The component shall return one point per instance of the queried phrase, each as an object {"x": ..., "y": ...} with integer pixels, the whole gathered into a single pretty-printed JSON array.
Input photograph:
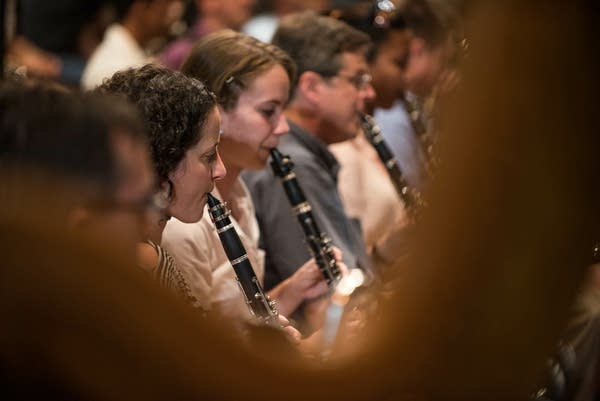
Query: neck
[
  {"x": 304, "y": 118},
  {"x": 314, "y": 125},
  {"x": 226, "y": 184}
]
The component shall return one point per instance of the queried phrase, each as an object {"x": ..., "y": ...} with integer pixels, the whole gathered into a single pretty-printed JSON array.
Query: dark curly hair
[{"x": 173, "y": 105}]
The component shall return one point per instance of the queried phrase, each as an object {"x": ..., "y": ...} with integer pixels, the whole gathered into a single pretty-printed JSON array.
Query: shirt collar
[{"x": 316, "y": 147}]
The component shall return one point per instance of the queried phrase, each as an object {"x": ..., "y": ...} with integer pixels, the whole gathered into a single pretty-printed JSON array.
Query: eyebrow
[
  {"x": 275, "y": 102},
  {"x": 360, "y": 70}
]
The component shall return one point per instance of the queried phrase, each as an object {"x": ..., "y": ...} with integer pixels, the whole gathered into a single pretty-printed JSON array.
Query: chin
[
  {"x": 353, "y": 130},
  {"x": 264, "y": 156},
  {"x": 259, "y": 163},
  {"x": 192, "y": 216}
]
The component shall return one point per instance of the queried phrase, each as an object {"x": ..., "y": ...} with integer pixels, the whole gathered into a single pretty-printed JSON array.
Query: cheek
[
  {"x": 189, "y": 188},
  {"x": 233, "y": 129},
  {"x": 264, "y": 131},
  {"x": 197, "y": 179}
]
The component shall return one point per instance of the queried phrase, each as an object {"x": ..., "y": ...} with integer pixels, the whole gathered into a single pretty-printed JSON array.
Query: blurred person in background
[
  {"x": 263, "y": 25},
  {"x": 55, "y": 39},
  {"x": 430, "y": 72},
  {"x": 364, "y": 184},
  {"x": 211, "y": 16},
  {"x": 124, "y": 44}
]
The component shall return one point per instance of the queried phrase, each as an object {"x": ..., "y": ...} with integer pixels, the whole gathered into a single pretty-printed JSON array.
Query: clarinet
[
  {"x": 319, "y": 244},
  {"x": 425, "y": 138},
  {"x": 259, "y": 303},
  {"x": 409, "y": 196}
]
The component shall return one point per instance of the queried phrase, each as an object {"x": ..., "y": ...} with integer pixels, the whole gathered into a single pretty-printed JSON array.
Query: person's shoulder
[{"x": 147, "y": 256}]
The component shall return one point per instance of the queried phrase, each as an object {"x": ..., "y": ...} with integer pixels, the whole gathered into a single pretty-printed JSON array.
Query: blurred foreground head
[
  {"x": 435, "y": 47},
  {"x": 91, "y": 148}
]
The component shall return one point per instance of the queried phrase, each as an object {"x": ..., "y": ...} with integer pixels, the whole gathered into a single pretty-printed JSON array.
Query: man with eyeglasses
[{"x": 330, "y": 91}]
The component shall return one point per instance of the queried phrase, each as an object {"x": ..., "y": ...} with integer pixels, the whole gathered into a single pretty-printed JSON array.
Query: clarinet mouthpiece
[
  {"x": 276, "y": 155},
  {"x": 280, "y": 164},
  {"x": 212, "y": 200}
]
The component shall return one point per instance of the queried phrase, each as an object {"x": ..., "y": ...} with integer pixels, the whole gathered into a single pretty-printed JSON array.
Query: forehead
[
  {"x": 271, "y": 84},
  {"x": 397, "y": 41},
  {"x": 353, "y": 62}
]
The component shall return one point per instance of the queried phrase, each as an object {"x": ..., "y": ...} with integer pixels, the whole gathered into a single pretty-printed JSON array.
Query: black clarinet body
[
  {"x": 409, "y": 196},
  {"x": 261, "y": 306},
  {"x": 319, "y": 244}
]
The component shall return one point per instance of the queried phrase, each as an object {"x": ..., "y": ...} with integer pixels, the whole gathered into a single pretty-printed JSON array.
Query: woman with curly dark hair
[{"x": 183, "y": 126}]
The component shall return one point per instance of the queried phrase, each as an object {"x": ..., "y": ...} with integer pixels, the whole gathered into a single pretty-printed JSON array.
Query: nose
[
  {"x": 368, "y": 93},
  {"x": 218, "y": 170},
  {"x": 281, "y": 127}
]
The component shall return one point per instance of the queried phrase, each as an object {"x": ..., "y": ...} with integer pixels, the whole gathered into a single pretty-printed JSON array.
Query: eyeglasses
[{"x": 360, "y": 81}]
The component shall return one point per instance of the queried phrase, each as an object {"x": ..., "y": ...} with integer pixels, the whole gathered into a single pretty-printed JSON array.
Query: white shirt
[
  {"x": 262, "y": 27},
  {"x": 367, "y": 190},
  {"x": 118, "y": 51}
]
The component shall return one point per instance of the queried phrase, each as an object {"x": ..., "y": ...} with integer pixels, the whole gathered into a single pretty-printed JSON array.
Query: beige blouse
[{"x": 199, "y": 253}]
